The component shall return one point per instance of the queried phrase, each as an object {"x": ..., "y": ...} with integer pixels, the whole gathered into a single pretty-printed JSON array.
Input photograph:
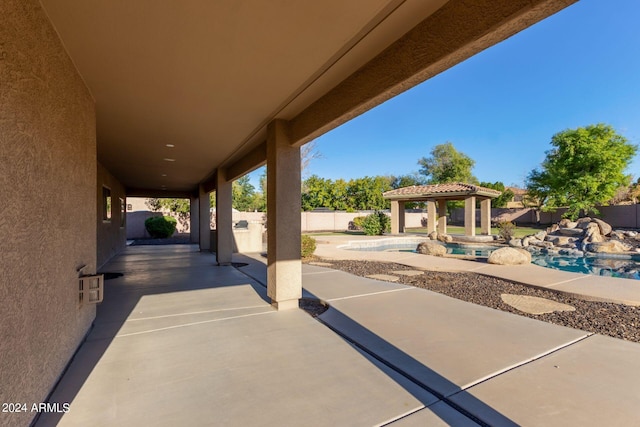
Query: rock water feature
[{"x": 588, "y": 245}]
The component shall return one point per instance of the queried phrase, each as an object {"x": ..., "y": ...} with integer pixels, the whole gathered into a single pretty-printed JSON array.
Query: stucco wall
[
  {"x": 47, "y": 205},
  {"x": 111, "y": 234}
]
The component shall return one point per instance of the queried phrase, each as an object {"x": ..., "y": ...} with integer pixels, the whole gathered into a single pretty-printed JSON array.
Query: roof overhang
[{"x": 185, "y": 88}]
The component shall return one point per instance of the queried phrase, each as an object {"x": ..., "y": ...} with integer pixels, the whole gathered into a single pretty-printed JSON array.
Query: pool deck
[
  {"x": 585, "y": 286},
  {"x": 181, "y": 341}
]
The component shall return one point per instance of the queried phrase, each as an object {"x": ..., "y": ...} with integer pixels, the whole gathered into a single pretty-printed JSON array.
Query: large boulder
[
  {"x": 618, "y": 235},
  {"x": 431, "y": 248},
  {"x": 605, "y": 228},
  {"x": 509, "y": 256},
  {"x": 540, "y": 235},
  {"x": 583, "y": 222},
  {"x": 592, "y": 234},
  {"x": 610, "y": 247},
  {"x": 562, "y": 240},
  {"x": 515, "y": 242},
  {"x": 567, "y": 223},
  {"x": 444, "y": 238},
  {"x": 571, "y": 232}
]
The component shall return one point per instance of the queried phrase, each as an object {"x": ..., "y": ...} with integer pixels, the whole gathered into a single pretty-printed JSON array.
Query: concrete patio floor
[{"x": 180, "y": 341}]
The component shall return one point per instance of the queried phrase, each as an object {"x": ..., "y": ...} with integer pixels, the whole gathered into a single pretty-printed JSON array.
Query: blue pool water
[{"x": 609, "y": 267}]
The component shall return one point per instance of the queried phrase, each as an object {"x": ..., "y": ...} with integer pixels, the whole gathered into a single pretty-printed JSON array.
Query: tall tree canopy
[
  {"x": 447, "y": 164},
  {"x": 356, "y": 194},
  {"x": 584, "y": 168},
  {"x": 244, "y": 195},
  {"x": 506, "y": 196}
]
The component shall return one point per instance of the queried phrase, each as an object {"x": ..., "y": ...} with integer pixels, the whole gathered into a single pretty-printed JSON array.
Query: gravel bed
[{"x": 616, "y": 320}]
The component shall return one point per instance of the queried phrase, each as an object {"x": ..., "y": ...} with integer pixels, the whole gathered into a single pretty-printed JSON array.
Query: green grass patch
[{"x": 454, "y": 229}]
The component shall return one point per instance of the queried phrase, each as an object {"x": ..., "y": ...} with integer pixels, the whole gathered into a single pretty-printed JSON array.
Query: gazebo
[{"x": 439, "y": 194}]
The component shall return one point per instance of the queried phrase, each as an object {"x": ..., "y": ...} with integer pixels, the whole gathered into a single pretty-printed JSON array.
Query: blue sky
[{"x": 502, "y": 106}]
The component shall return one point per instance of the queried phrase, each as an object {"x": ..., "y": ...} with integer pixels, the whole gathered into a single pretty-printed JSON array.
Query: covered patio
[
  {"x": 106, "y": 100},
  {"x": 438, "y": 195}
]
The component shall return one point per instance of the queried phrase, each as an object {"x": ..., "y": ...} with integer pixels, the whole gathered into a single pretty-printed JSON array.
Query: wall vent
[{"x": 91, "y": 289}]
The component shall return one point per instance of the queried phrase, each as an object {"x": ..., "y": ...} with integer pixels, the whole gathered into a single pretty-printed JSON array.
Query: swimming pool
[{"x": 609, "y": 266}]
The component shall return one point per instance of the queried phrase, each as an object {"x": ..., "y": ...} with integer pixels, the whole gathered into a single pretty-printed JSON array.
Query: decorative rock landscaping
[
  {"x": 616, "y": 320},
  {"x": 575, "y": 238}
]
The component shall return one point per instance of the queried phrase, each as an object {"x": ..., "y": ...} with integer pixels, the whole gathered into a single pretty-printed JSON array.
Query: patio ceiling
[{"x": 185, "y": 87}]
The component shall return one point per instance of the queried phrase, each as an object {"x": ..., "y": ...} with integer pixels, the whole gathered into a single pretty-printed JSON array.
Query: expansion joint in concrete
[{"x": 405, "y": 374}]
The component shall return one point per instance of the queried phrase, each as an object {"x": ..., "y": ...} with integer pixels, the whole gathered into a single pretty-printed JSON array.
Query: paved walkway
[{"x": 179, "y": 341}]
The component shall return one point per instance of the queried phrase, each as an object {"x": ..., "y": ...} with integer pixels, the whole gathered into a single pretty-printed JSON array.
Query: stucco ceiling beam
[
  {"x": 252, "y": 160},
  {"x": 209, "y": 184},
  {"x": 147, "y": 192},
  {"x": 454, "y": 33}
]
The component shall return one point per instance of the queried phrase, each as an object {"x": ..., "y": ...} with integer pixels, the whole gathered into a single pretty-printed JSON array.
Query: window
[
  {"x": 106, "y": 204},
  {"x": 123, "y": 212}
]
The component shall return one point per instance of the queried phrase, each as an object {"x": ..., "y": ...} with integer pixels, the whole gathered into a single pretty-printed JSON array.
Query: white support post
[
  {"x": 431, "y": 216},
  {"x": 470, "y": 216}
]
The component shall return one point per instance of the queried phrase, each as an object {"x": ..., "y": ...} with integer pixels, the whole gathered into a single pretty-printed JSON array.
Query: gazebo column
[
  {"x": 485, "y": 217},
  {"x": 442, "y": 216},
  {"x": 470, "y": 216},
  {"x": 397, "y": 217},
  {"x": 431, "y": 216}
]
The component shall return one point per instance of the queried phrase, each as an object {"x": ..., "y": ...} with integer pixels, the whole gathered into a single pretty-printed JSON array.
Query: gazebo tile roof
[{"x": 454, "y": 188}]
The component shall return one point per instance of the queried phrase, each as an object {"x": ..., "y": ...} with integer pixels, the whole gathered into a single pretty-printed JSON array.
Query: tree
[
  {"x": 308, "y": 152},
  {"x": 357, "y": 194},
  {"x": 154, "y": 204},
  {"x": 506, "y": 196},
  {"x": 584, "y": 169},
  {"x": 243, "y": 193},
  {"x": 366, "y": 193},
  {"x": 316, "y": 193},
  {"x": 447, "y": 164},
  {"x": 408, "y": 180},
  {"x": 339, "y": 195}
]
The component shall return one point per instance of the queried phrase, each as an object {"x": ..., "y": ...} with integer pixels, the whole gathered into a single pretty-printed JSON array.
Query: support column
[
  {"x": 485, "y": 217},
  {"x": 470, "y": 216},
  {"x": 442, "y": 216},
  {"x": 194, "y": 220},
  {"x": 204, "y": 219},
  {"x": 284, "y": 266},
  {"x": 431, "y": 216},
  {"x": 224, "y": 222},
  {"x": 397, "y": 217}
]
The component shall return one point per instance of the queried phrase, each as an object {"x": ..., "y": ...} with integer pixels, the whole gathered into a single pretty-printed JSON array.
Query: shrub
[
  {"x": 308, "y": 246},
  {"x": 160, "y": 227},
  {"x": 356, "y": 224},
  {"x": 506, "y": 230},
  {"x": 376, "y": 224}
]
